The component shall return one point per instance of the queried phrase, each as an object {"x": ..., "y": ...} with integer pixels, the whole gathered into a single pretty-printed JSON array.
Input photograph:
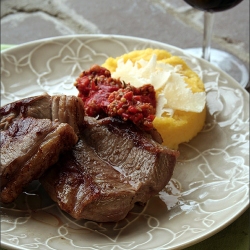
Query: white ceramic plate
[{"x": 210, "y": 185}]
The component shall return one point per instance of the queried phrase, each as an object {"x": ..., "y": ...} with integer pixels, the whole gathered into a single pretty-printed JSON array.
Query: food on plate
[
  {"x": 103, "y": 96},
  {"x": 181, "y": 98},
  {"x": 100, "y": 153},
  {"x": 114, "y": 165},
  {"x": 65, "y": 109},
  {"x": 28, "y": 147},
  {"x": 34, "y": 131},
  {"x": 95, "y": 169}
]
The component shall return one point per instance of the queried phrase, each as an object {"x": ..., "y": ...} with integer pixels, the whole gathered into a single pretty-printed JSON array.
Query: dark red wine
[{"x": 213, "y": 5}]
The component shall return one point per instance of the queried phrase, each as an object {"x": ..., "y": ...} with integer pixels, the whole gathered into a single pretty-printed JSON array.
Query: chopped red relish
[{"x": 105, "y": 96}]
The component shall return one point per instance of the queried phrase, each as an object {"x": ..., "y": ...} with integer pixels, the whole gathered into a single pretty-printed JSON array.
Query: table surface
[{"x": 168, "y": 21}]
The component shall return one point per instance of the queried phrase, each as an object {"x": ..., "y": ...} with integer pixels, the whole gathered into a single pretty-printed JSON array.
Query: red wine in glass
[
  {"x": 227, "y": 62},
  {"x": 213, "y": 5}
]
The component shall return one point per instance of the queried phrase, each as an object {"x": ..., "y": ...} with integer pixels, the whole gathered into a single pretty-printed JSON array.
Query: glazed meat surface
[
  {"x": 113, "y": 166},
  {"x": 28, "y": 147},
  {"x": 65, "y": 109}
]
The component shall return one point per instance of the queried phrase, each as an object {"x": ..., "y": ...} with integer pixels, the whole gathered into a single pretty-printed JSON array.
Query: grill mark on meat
[
  {"x": 129, "y": 141},
  {"x": 140, "y": 138},
  {"x": 37, "y": 107},
  {"x": 112, "y": 166},
  {"x": 65, "y": 109},
  {"x": 83, "y": 183},
  {"x": 108, "y": 171},
  {"x": 34, "y": 131},
  {"x": 28, "y": 148}
]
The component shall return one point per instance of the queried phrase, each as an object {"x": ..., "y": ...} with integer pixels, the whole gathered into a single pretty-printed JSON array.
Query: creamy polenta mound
[{"x": 182, "y": 125}]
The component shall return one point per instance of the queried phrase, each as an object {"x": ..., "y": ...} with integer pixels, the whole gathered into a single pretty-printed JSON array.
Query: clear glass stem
[{"x": 207, "y": 36}]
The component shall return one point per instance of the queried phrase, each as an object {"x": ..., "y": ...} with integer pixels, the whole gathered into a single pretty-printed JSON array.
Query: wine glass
[{"x": 223, "y": 60}]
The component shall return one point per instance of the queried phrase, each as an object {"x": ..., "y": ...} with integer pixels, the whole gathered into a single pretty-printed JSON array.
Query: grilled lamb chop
[
  {"x": 113, "y": 166},
  {"x": 28, "y": 147},
  {"x": 66, "y": 109}
]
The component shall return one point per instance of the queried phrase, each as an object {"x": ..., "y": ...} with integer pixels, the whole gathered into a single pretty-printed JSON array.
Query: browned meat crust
[
  {"x": 113, "y": 166},
  {"x": 28, "y": 147},
  {"x": 34, "y": 131},
  {"x": 65, "y": 109}
]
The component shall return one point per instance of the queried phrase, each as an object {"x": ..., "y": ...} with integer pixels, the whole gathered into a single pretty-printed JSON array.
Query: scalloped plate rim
[{"x": 142, "y": 40}]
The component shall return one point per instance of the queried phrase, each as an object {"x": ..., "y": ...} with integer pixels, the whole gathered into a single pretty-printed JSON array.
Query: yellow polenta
[{"x": 182, "y": 126}]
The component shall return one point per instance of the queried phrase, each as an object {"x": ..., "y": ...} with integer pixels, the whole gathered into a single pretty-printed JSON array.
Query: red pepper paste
[{"x": 105, "y": 96}]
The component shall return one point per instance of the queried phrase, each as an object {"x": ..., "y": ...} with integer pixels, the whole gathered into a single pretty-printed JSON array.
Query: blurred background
[{"x": 169, "y": 21}]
